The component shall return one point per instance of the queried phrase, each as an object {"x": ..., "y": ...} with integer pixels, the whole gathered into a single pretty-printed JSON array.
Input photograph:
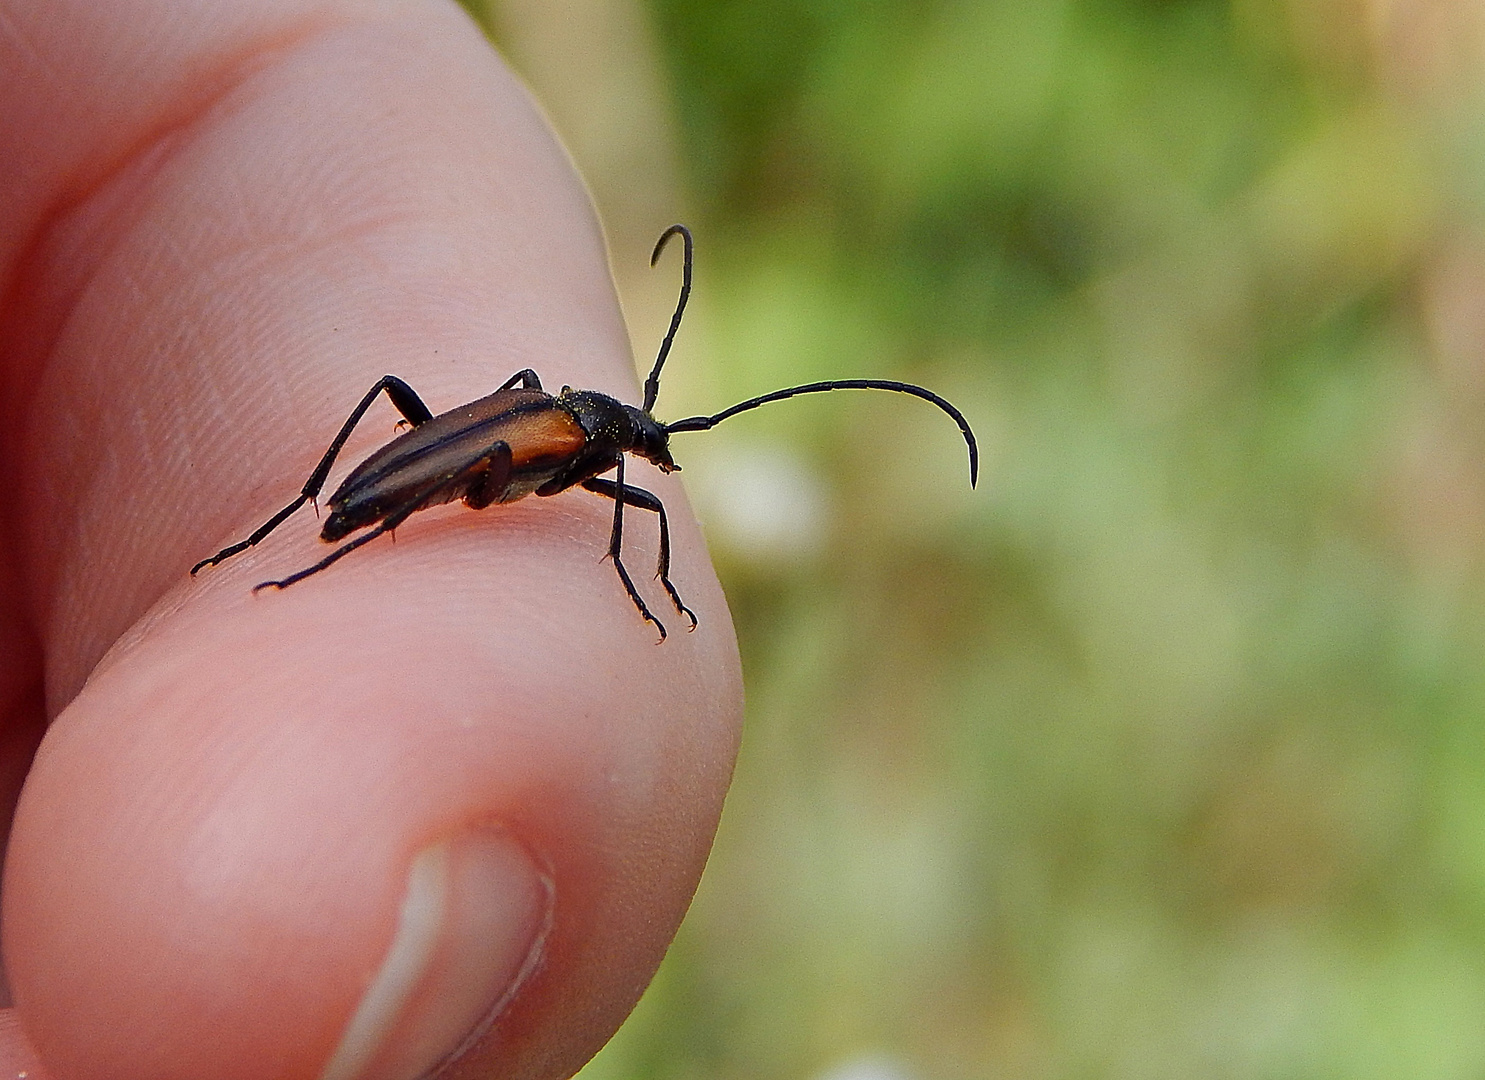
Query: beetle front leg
[
  {"x": 616, "y": 542},
  {"x": 406, "y": 401},
  {"x": 646, "y": 500}
]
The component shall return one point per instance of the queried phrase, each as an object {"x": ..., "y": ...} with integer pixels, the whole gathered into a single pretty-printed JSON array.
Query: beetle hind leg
[
  {"x": 406, "y": 401},
  {"x": 387, "y": 525},
  {"x": 490, "y": 475}
]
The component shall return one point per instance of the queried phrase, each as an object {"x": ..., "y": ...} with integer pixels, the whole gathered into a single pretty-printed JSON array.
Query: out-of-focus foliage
[{"x": 1162, "y": 754}]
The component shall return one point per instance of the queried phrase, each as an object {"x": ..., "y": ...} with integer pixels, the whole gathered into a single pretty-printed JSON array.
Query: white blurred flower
[
  {"x": 867, "y": 1068},
  {"x": 761, "y": 501}
]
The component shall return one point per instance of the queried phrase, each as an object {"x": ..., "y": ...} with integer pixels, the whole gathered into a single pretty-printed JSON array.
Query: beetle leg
[
  {"x": 498, "y": 458},
  {"x": 646, "y": 500},
  {"x": 387, "y": 525},
  {"x": 407, "y": 402},
  {"x": 526, "y": 377},
  {"x": 616, "y": 542},
  {"x": 492, "y": 483}
]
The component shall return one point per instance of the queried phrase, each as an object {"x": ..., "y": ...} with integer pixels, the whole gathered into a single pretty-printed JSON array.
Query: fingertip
[
  {"x": 218, "y": 844},
  {"x": 160, "y": 921},
  {"x": 471, "y": 929},
  {"x": 219, "y": 839},
  {"x": 17, "y": 1056}
]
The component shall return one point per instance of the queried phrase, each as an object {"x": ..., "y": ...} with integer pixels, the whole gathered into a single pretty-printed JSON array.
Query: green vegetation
[{"x": 1162, "y": 755}]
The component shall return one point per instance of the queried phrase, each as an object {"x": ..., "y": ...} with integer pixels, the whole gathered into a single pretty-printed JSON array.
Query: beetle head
[{"x": 651, "y": 440}]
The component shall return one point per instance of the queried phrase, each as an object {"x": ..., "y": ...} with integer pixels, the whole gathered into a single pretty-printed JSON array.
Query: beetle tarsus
[
  {"x": 387, "y": 525},
  {"x": 675, "y": 598},
  {"x": 616, "y": 490},
  {"x": 258, "y": 534},
  {"x": 644, "y": 612}
]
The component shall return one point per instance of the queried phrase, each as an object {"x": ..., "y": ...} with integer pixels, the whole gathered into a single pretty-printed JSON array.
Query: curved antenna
[
  {"x": 652, "y": 384},
  {"x": 706, "y": 423}
]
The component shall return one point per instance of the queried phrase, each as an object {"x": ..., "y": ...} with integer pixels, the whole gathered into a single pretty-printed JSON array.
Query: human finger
[{"x": 368, "y": 807}]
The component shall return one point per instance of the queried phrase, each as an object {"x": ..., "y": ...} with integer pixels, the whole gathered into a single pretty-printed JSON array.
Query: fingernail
[{"x": 471, "y": 929}]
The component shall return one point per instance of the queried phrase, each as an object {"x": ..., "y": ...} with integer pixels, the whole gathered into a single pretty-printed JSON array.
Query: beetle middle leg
[
  {"x": 646, "y": 500},
  {"x": 526, "y": 377},
  {"x": 492, "y": 482},
  {"x": 406, "y": 401}
]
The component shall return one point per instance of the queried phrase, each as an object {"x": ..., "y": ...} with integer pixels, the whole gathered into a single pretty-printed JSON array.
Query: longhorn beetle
[{"x": 521, "y": 440}]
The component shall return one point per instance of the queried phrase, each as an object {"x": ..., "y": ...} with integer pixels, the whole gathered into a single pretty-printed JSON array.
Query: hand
[{"x": 451, "y": 785}]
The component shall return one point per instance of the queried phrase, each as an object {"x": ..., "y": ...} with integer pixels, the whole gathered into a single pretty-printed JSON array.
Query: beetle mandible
[{"x": 520, "y": 441}]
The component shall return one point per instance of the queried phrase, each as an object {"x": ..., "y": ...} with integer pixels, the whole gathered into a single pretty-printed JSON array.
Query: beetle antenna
[
  {"x": 652, "y": 384},
  {"x": 706, "y": 423}
]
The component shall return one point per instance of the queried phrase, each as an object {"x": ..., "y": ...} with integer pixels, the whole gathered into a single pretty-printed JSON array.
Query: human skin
[{"x": 220, "y": 223}]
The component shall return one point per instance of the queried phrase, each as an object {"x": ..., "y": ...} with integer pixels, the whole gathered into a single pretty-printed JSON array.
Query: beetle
[{"x": 521, "y": 441}]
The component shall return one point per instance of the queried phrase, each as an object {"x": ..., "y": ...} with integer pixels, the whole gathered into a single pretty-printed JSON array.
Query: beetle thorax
[{"x": 611, "y": 424}]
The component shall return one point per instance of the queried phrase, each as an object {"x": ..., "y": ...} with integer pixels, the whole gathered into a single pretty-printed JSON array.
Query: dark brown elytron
[{"x": 521, "y": 441}]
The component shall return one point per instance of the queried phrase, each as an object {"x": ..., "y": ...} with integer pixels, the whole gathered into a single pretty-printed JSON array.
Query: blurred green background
[{"x": 1162, "y": 754}]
